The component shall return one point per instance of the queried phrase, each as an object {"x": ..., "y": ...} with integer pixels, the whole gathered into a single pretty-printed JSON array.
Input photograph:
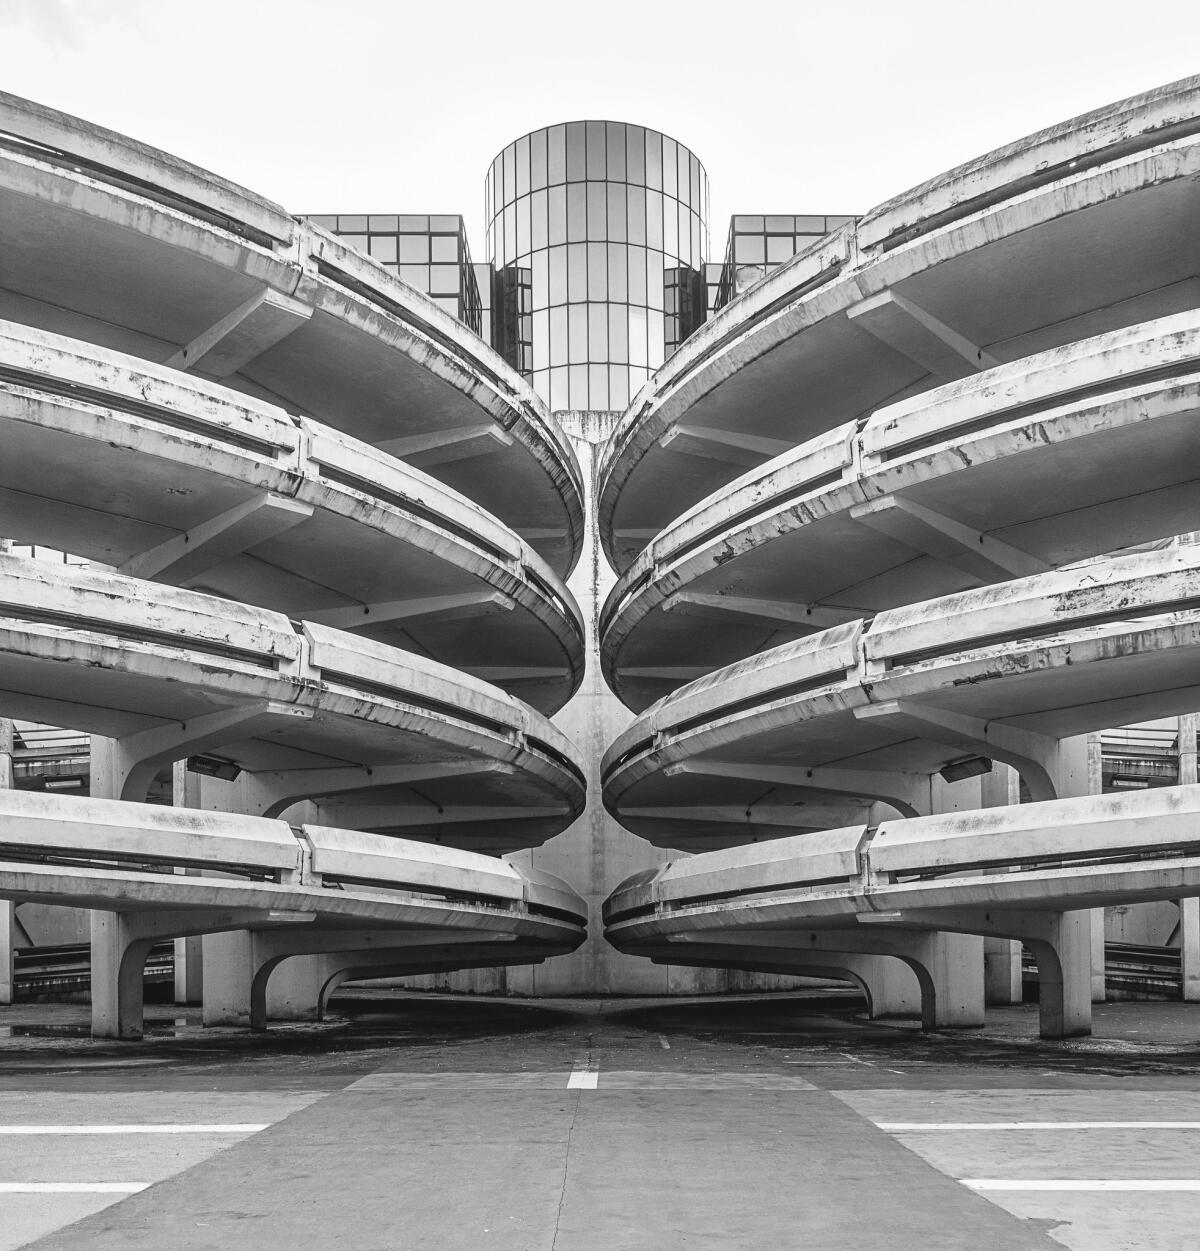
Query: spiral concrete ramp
[
  {"x": 328, "y": 529},
  {"x": 868, "y": 525}
]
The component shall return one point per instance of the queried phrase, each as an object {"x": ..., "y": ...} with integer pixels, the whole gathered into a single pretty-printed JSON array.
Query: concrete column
[
  {"x": 1001, "y": 956},
  {"x": 119, "y": 949},
  {"x": 294, "y": 990},
  {"x": 1189, "y": 909},
  {"x": 227, "y": 975},
  {"x": 955, "y": 998},
  {"x": 1063, "y": 951},
  {"x": 189, "y": 952},
  {"x": 8, "y": 910}
]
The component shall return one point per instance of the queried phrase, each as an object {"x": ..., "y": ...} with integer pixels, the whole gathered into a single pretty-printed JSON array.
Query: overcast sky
[{"x": 370, "y": 106}]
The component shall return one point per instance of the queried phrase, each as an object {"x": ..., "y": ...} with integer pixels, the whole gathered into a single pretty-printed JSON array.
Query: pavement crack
[{"x": 562, "y": 1195}]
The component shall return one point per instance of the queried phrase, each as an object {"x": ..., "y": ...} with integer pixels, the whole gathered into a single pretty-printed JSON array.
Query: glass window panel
[
  {"x": 522, "y": 210},
  {"x": 414, "y": 223},
  {"x": 558, "y": 214},
  {"x": 328, "y": 221},
  {"x": 576, "y": 211},
  {"x": 577, "y": 346},
  {"x": 576, "y": 271},
  {"x": 596, "y": 163},
  {"x": 412, "y": 248},
  {"x": 445, "y": 247},
  {"x": 670, "y": 241},
  {"x": 683, "y": 178},
  {"x": 749, "y": 249},
  {"x": 699, "y": 243},
  {"x": 355, "y": 224},
  {"x": 637, "y": 336},
  {"x": 636, "y": 199},
  {"x": 523, "y": 165},
  {"x": 637, "y": 275},
  {"x": 445, "y": 223},
  {"x": 598, "y": 386},
  {"x": 597, "y": 332},
  {"x": 540, "y": 278},
  {"x": 616, "y": 151},
  {"x": 443, "y": 279},
  {"x": 447, "y": 303},
  {"x": 618, "y": 332},
  {"x": 558, "y": 335},
  {"x": 541, "y": 383},
  {"x": 557, "y": 285},
  {"x": 537, "y": 159},
  {"x": 637, "y": 380},
  {"x": 541, "y": 337},
  {"x": 537, "y": 220},
  {"x": 597, "y": 227},
  {"x": 635, "y": 151},
  {"x": 654, "y": 219},
  {"x": 559, "y": 400},
  {"x": 597, "y": 263},
  {"x": 355, "y": 241},
  {"x": 832, "y": 223},
  {"x": 510, "y": 234},
  {"x": 654, "y": 335},
  {"x": 684, "y": 231},
  {"x": 618, "y": 272},
  {"x": 694, "y": 182},
  {"x": 556, "y": 154},
  {"x": 579, "y": 386},
  {"x": 384, "y": 221},
  {"x": 616, "y": 212},
  {"x": 576, "y": 162},
  {"x": 781, "y": 225},
  {"x": 654, "y": 279},
  {"x": 781, "y": 248},
  {"x": 670, "y": 176},
  {"x": 416, "y": 276},
  {"x": 383, "y": 248},
  {"x": 510, "y": 180},
  {"x": 618, "y": 387},
  {"x": 653, "y": 160}
]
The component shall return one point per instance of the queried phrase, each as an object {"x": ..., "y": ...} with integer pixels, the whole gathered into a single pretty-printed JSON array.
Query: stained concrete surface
[{"x": 413, "y": 1122}]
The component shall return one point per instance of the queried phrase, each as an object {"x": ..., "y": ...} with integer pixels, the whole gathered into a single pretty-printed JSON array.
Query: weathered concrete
[
  {"x": 121, "y": 245},
  {"x": 1096, "y": 242},
  {"x": 1056, "y": 458},
  {"x": 310, "y": 890}
]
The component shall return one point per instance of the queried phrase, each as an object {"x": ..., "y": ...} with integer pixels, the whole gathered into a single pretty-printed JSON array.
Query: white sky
[{"x": 377, "y": 106}]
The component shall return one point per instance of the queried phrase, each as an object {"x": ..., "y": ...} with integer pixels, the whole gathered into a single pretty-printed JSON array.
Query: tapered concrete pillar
[
  {"x": 119, "y": 948},
  {"x": 1077, "y": 774},
  {"x": 955, "y": 997},
  {"x": 8, "y": 937},
  {"x": 227, "y": 974},
  {"x": 293, "y": 992},
  {"x": 1001, "y": 971},
  {"x": 1189, "y": 948},
  {"x": 1063, "y": 951}
]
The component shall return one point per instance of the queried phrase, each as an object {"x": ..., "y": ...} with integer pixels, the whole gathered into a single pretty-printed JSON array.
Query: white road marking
[
  {"x": 72, "y": 1188},
  {"x": 1130, "y": 1184},
  {"x": 662, "y": 1042},
  {"x": 920, "y": 1127},
  {"x": 583, "y": 1079},
  {"x": 131, "y": 1129}
]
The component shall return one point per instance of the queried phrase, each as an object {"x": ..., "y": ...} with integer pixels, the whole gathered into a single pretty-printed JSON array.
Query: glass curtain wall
[{"x": 604, "y": 215}]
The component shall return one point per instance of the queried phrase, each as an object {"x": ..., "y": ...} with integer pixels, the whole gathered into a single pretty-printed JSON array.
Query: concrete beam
[
  {"x": 769, "y": 611},
  {"x": 796, "y": 816},
  {"x": 1036, "y": 757},
  {"x": 908, "y": 793},
  {"x": 133, "y": 761},
  {"x": 203, "y": 547},
  {"x": 731, "y": 447},
  {"x": 243, "y": 335},
  {"x": 946, "y": 539},
  {"x": 445, "y": 446},
  {"x": 910, "y": 330},
  {"x": 280, "y": 789},
  {"x": 425, "y": 608},
  {"x": 381, "y": 816}
]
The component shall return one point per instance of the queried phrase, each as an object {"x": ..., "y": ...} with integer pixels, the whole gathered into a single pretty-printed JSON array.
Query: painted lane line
[
  {"x": 1034, "y": 1183},
  {"x": 920, "y": 1127},
  {"x": 72, "y": 1188},
  {"x": 583, "y": 1079},
  {"x": 132, "y": 1129}
]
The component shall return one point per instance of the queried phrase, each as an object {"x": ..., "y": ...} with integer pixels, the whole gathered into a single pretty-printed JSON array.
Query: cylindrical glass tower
[{"x": 598, "y": 233}]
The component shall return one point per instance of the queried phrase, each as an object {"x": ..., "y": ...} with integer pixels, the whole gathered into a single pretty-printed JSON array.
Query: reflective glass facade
[
  {"x": 427, "y": 251},
  {"x": 610, "y": 221},
  {"x": 758, "y": 244}
]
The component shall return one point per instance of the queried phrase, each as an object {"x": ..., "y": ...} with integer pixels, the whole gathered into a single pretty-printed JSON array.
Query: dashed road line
[
  {"x": 72, "y": 1188},
  {"x": 920, "y": 1127},
  {"x": 132, "y": 1129},
  {"x": 1116, "y": 1184},
  {"x": 583, "y": 1079}
]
